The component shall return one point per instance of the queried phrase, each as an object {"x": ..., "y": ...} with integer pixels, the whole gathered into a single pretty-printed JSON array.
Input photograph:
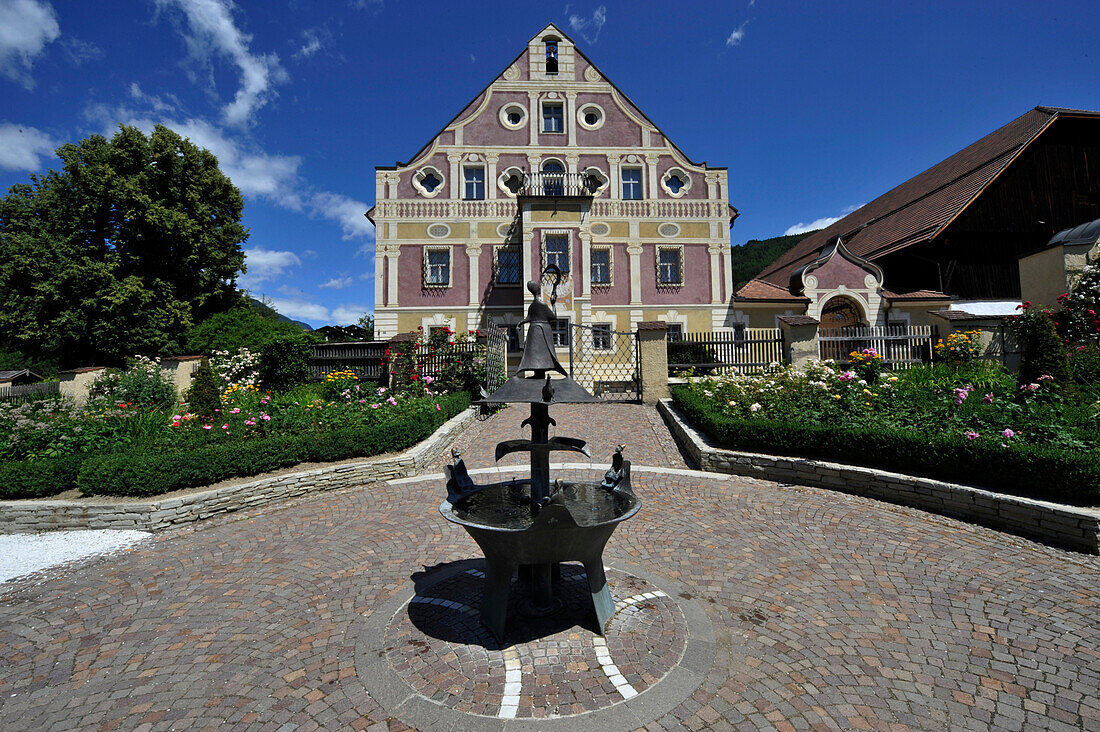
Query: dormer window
[{"x": 551, "y": 57}]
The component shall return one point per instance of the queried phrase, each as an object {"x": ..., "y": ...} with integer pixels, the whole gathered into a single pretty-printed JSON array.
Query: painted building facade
[{"x": 551, "y": 163}]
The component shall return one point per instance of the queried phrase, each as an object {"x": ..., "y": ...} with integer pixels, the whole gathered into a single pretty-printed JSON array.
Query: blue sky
[{"x": 815, "y": 107}]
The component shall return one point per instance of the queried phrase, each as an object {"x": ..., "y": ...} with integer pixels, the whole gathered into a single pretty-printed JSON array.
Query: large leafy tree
[{"x": 120, "y": 251}]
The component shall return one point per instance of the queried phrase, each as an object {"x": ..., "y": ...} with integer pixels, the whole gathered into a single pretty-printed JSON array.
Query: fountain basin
[{"x": 512, "y": 532}]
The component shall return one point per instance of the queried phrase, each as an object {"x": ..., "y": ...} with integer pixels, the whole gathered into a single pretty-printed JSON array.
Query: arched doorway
[{"x": 841, "y": 318}]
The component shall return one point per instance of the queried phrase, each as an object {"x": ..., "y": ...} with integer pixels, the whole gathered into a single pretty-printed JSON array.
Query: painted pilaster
[
  {"x": 393, "y": 251},
  {"x": 491, "y": 159},
  {"x": 712, "y": 185},
  {"x": 715, "y": 276},
  {"x": 379, "y": 279},
  {"x": 456, "y": 179},
  {"x": 571, "y": 118},
  {"x": 613, "y": 162},
  {"x": 533, "y": 118},
  {"x": 473, "y": 252},
  {"x": 586, "y": 263},
  {"x": 572, "y": 163},
  {"x": 635, "y": 252},
  {"x": 651, "y": 165}
]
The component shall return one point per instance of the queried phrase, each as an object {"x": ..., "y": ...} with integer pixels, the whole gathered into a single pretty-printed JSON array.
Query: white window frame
[
  {"x": 599, "y": 327},
  {"x": 428, "y": 265},
  {"x": 682, "y": 175},
  {"x": 679, "y": 249},
  {"x": 561, "y": 325},
  {"x": 546, "y": 236},
  {"x": 509, "y": 107},
  {"x": 496, "y": 264},
  {"x": 466, "y": 183},
  {"x": 610, "y": 265},
  {"x": 591, "y": 107},
  {"x": 421, "y": 174},
  {"x": 542, "y": 116},
  {"x": 674, "y": 332},
  {"x": 640, "y": 182}
]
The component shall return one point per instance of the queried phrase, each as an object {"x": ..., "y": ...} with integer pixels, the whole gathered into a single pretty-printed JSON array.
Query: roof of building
[
  {"x": 761, "y": 290},
  {"x": 915, "y": 295},
  {"x": 956, "y": 315},
  {"x": 923, "y": 206},
  {"x": 15, "y": 374},
  {"x": 1084, "y": 234}
]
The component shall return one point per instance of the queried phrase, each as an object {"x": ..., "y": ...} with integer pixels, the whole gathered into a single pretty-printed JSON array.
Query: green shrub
[
  {"x": 1050, "y": 473},
  {"x": 1044, "y": 353},
  {"x": 38, "y": 478},
  {"x": 204, "y": 396},
  {"x": 142, "y": 382},
  {"x": 284, "y": 362},
  {"x": 1084, "y": 365},
  {"x": 238, "y": 327},
  {"x": 152, "y": 473}
]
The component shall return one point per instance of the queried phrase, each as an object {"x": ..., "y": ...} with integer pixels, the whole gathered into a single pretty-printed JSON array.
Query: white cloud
[
  {"x": 311, "y": 43},
  {"x": 298, "y": 309},
  {"x": 348, "y": 212},
  {"x": 821, "y": 223},
  {"x": 347, "y": 314},
  {"x": 257, "y": 173},
  {"x": 338, "y": 283},
  {"x": 589, "y": 28},
  {"x": 266, "y": 264},
  {"x": 22, "y": 147},
  {"x": 26, "y": 26},
  {"x": 737, "y": 35},
  {"x": 155, "y": 103},
  {"x": 213, "y": 33}
]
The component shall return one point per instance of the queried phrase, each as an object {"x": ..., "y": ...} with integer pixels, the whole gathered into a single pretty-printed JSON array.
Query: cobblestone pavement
[
  {"x": 603, "y": 426},
  {"x": 829, "y": 612}
]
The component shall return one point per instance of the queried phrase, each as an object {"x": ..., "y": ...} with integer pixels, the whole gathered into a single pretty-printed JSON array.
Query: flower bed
[
  {"x": 968, "y": 424},
  {"x": 51, "y": 446}
]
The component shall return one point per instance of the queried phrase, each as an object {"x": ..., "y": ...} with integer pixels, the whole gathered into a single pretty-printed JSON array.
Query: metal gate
[
  {"x": 496, "y": 365},
  {"x": 605, "y": 362}
]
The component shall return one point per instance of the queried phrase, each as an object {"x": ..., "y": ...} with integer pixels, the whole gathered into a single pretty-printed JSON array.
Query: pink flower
[
  {"x": 250, "y": 423},
  {"x": 265, "y": 417},
  {"x": 235, "y": 410},
  {"x": 428, "y": 379},
  {"x": 225, "y": 426},
  {"x": 1045, "y": 377},
  {"x": 988, "y": 398},
  {"x": 437, "y": 407},
  {"x": 175, "y": 424},
  {"x": 206, "y": 426},
  {"x": 1008, "y": 433},
  {"x": 176, "y": 418},
  {"x": 972, "y": 435},
  {"x": 362, "y": 401},
  {"x": 847, "y": 376},
  {"x": 392, "y": 402},
  {"x": 376, "y": 405}
]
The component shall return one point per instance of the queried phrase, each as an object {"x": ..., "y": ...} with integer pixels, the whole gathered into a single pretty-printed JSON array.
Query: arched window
[
  {"x": 551, "y": 57},
  {"x": 553, "y": 178}
]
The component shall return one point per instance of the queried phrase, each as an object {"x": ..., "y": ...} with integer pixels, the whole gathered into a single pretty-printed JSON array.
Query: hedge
[
  {"x": 1035, "y": 471},
  {"x": 148, "y": 473},
  {"x": 38, "y": 478}
]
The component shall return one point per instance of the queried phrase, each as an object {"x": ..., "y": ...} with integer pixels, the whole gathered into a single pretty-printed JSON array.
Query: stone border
[
  {"x": 27, "y": 516},
  {"x": 401, "y": 701},
  {"x": 1070, "y": 527}
]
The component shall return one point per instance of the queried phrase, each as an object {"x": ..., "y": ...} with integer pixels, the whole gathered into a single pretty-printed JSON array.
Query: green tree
[
  {"x": 241, "y": 326},
  {"x": 120, "y": 251},
  {"x": 367, "y": 324}
]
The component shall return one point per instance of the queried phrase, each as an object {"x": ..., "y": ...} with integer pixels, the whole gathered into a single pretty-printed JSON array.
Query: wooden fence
[
  {"x": 29, "y": 392},
  {"x": 367, "y": 358},
  {"x": 899, "y": 345},
  {"x": 742, "y": 350}
]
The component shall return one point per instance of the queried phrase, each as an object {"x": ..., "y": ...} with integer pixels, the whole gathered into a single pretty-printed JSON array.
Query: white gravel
[{"x": 23, "y": 554}]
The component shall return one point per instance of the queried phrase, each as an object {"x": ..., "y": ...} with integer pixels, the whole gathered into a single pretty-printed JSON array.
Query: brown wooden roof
[
  {"x": 761, "y": 290},
  {"x": 921, "y": 207}
]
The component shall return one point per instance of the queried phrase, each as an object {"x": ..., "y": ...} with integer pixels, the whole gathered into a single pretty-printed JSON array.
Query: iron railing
[
  {"x": 558, "y": 184},
  {"x": 740, "y": 350},
  {"x": 899, "y": 345}
]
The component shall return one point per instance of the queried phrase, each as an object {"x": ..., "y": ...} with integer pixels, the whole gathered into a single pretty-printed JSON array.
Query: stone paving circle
[{"x": 791, "y": 608}]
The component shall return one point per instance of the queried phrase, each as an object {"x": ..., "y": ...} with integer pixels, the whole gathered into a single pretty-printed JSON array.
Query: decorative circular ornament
[
  {"x": 669, "y": 230},
  {"x": 439, "y": 231},
  {"x": 511, "y": 73},
  {"x": 591, "y": 74},
  {"x": 503, "y": 230},
  {"x": 600, "y": 229}
]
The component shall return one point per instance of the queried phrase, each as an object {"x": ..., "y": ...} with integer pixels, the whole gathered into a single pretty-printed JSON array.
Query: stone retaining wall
[
  {"x": 1051, "y": 523},
  {"x": 159, "y": 512}
]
